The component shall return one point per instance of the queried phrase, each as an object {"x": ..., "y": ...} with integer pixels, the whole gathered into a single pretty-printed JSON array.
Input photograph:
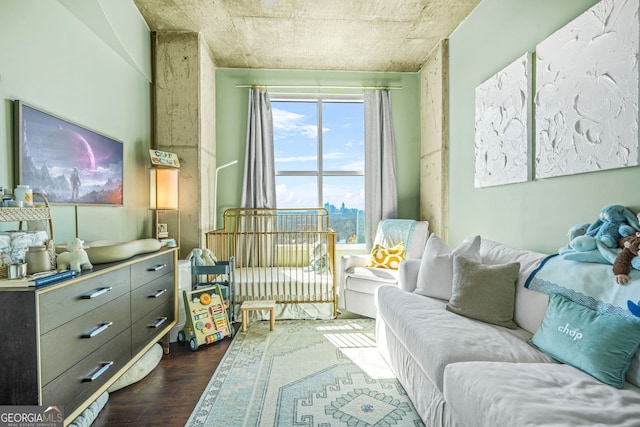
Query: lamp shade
[{"x": 164, "y": 188}]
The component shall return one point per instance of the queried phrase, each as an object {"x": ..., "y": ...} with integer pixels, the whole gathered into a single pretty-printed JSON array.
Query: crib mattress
[
  {"x": 308, "y": 294},
  {"x": 283, "y": 284}
]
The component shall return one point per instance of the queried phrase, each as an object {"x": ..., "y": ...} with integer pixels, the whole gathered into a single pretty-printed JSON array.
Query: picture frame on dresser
[{"x": 68, "y": 163}]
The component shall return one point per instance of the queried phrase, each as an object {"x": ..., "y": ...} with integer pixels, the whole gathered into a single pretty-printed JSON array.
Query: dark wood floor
[{"x": 166, "y": 397}]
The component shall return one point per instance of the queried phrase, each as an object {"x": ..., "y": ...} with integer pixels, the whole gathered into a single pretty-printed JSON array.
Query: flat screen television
[{"x": 66, "y": 162}]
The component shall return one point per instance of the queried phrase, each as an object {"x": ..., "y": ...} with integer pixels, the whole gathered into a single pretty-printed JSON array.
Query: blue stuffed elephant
[
  {"x": 613, "y": 223},
  {"x": 578, "y": 230}
]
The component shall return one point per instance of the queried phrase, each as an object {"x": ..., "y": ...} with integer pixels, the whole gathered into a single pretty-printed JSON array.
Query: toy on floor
[{"x": 207, "y": 320}]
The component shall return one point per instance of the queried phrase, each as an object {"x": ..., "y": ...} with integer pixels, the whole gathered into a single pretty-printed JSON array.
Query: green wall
[
  {"x": 536, "y": 214},
  {"x": 231, "y": 122},
  {"x": 88, "y": 62}
]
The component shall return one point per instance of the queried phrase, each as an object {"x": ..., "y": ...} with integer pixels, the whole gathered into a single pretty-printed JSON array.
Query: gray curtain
[
  {"x": 255, "y": 245},
  {"x": 259, "y": 186},
  {"x": 380, "y": 182}
]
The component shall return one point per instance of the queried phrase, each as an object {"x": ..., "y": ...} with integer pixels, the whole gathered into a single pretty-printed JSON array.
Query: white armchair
[{"x": 357, "y": 283}]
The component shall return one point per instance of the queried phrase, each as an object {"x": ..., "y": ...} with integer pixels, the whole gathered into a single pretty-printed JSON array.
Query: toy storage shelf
[{"x": 221, "y": 274}]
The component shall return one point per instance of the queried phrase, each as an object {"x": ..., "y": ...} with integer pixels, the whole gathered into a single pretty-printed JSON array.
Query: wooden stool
[{"x": 258, "y": 305}]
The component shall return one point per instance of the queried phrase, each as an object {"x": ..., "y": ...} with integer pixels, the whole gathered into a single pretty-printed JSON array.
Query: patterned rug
[{"x": 305, "y": 373}]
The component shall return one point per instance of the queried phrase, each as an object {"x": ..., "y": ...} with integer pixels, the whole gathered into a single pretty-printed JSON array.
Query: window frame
[{"x": 319, "y": 173}]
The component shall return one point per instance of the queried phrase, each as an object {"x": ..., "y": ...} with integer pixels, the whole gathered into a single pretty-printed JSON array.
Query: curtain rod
[{"x": 321, "y": 87}]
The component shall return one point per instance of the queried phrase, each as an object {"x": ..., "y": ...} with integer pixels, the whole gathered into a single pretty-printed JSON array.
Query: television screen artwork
[{"x": 67, "y": 163}]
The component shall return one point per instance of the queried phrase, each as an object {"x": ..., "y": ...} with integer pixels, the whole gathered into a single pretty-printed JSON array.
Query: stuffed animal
[
  {"x": 200, "y": 257},
  {"x": 578, "y": 230},
  {"x": 581, "y": 244},
  {"x": 75, "y": 258},
  {"x": 318, "y": 259},
  {"x": 622, "y": 265},
  {"x": 208, "y": 257},
  {"x": 578, "y": 241},
  {"x": 195, "y": 256},
  {"x": 614, "y": 222}
]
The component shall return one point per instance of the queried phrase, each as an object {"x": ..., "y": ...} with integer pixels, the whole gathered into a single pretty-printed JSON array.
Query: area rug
[{"x": 304, "y": 373}]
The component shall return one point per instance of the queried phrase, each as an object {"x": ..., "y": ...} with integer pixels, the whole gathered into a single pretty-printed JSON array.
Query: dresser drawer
[
  {"x": 66, "y": 303},
  {"x": 78, "y": 383},
  {"x": 150, "y": 269},
  {"x": 151, "y": 325},
  {"x": 66, "y": 345},
  {"x": 149, "y": 296}
]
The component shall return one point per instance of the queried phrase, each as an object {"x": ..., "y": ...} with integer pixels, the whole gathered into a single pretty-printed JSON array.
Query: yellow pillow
[{"x": 383, "y": 257}]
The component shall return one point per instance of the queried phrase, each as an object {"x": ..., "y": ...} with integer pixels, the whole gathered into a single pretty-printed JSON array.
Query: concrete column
[
  {"x": 184, "y": 123},
  {"x": 434, "y": 136}
]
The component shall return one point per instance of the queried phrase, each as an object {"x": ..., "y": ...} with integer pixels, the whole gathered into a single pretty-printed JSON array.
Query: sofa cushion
[
  {"x": 484, "y": 292},
  {"x": 384, "y": 257},
  {"x": 530, "y": 305},
  {"x": 486, "y": 394},
  {"x": 601, "y": 344},
  {"x": 435, "y": 277},
  {"x": 366, "y": 279},
  {"x": 435, "y": 337}
]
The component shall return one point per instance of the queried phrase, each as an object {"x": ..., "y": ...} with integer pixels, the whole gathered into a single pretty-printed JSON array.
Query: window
[{"x": 319, "y": 158}]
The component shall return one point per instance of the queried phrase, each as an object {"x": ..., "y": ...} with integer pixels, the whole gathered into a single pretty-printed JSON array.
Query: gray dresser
[{"x": 64, "y": 344}]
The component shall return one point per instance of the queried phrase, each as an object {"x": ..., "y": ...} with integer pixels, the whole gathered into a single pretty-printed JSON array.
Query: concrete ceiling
[{"x": 358, "y": 35}]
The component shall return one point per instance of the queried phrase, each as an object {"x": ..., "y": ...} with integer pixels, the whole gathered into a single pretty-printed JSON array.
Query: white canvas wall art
[
  {"x": 503, "y": 126},
  {"x": 587, "y": 92}
]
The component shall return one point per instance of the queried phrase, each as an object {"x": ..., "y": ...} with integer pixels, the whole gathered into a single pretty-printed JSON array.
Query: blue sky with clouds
[{"x": 296, "y": 149}]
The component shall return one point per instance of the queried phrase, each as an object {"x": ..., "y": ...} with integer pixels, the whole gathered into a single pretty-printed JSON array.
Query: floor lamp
[{"x": 215, "y": 193}]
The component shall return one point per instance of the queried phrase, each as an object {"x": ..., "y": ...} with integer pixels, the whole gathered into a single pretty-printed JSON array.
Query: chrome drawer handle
[
  {"x": 157, "y": 267},
  {"x": 96, "y": 375},
  {"x": 97, "y": 292},
  {"x": 158, "y": 293},
  {"x": 161, "y": 321},
  {"x": 97, "y": 330}
]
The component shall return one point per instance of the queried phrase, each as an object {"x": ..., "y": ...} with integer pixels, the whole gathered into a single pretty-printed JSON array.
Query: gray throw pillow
[{"x": 484, "y": 292}]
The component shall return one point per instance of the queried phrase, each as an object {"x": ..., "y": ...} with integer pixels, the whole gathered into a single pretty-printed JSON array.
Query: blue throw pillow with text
[{"x": 600, "y": 344}]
